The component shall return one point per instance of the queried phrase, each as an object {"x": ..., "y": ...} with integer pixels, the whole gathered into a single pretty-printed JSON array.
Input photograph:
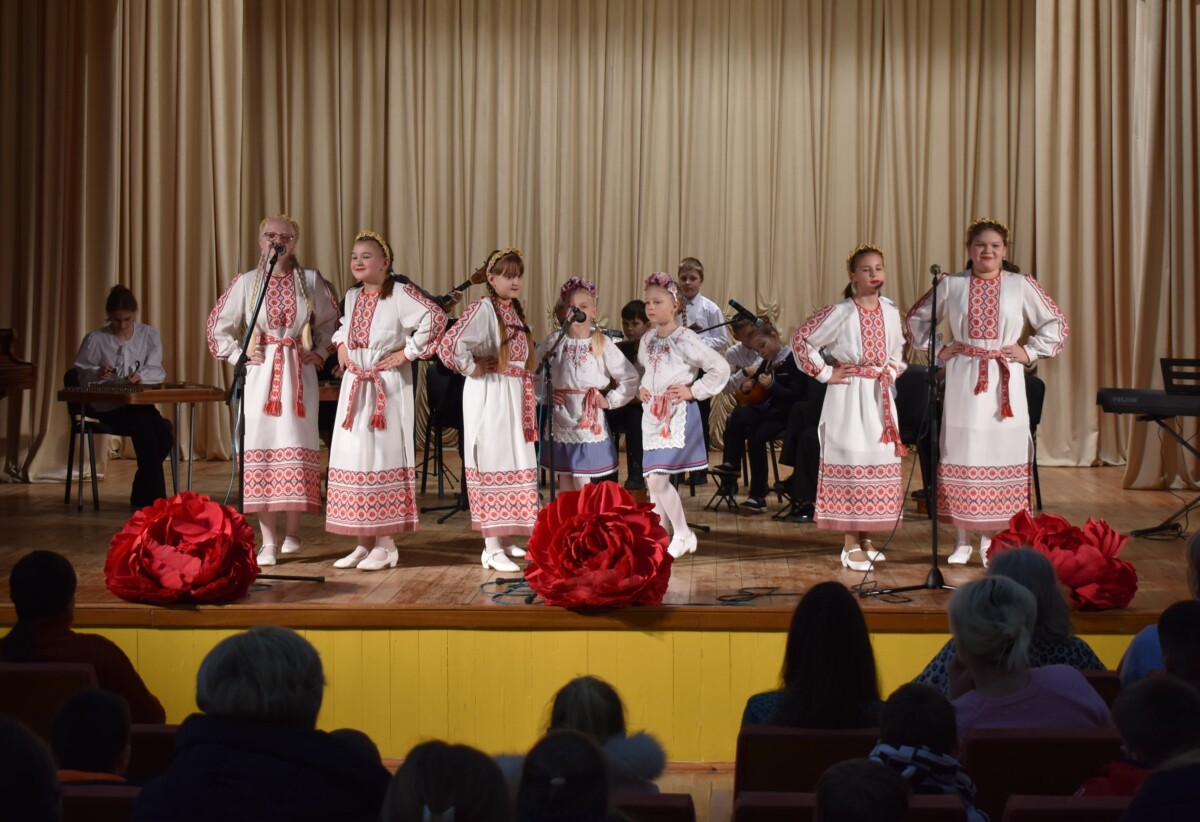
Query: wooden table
[{"x": 177, "y": 393}]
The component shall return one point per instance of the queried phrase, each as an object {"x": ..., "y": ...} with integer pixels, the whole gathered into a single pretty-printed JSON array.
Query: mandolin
[
  {"x": 477, "y": 277},
  {"x": 758, "y": 393}
]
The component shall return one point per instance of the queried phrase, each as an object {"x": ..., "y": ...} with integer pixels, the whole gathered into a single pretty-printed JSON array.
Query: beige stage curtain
[{"x": 608, "y": 139}]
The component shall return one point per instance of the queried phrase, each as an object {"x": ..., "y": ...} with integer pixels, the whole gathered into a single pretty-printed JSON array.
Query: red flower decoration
[
  {"x": 599, "y": 548},
  {"x": 183, "y": 549},
  {"x": 1085, "y": 559}
]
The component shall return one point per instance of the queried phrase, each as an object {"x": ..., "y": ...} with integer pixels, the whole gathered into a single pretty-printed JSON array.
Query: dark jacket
[
  {"x": 634, "y": 762},
  {"x": 238, "y": 769}
]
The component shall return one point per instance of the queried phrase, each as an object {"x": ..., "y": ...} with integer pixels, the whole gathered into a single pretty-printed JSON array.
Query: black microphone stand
[
  {"x": 934, "y": 581},
  {"x": 547, "y": 443}
]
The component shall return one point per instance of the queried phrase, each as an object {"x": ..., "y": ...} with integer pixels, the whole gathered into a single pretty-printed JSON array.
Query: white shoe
[
  {"x": 291, "y": 544},
  {"x": 266, "y": 556},
  {"x": 855, "y": 564},
  {"x": 515, "y": 550},
  {"x": 985, "y": 543},
  {"x": 374, "y": 562},
  {"x": 352, "y": 559},
  {"x": 868, "y": 548},
  {"x": 682, "y": 543},
  {"x": 961, "y": 554},
  {"x": 497, "y": 561}
]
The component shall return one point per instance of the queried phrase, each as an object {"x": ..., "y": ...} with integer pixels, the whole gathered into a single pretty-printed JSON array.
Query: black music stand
[{"x": 1180, "y": 376}]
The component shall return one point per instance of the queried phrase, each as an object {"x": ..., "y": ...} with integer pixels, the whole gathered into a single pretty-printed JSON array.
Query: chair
[
  {"x": 656, "y": 807},
  {"x": 1035, "y": 397},
  {"x": 754, "y": 806},
  {"x": 1046, "y": 762},
  {"x": 1106, "y": 683},
  {"x": 151, "y": 749},
  {"x": 32, "y": 691},
  {"x": 444, "y": 394},
  {"x": 98, "y": 803},
  {"x": 771, "y": 758},
  {"x": 1081, "y": 808},
  {"x": 82, "y": 426}
]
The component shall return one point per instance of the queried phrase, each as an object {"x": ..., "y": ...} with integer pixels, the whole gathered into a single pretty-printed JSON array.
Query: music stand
[{"x": 1180, "y": 376}]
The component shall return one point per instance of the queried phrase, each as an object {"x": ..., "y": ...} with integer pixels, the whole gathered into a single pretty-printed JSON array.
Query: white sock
[
  {"x": 567, "y": 482},
  {"x": 491, "y": 545},
  {"x": 266, "y": 523},
  {"x": 667, "y": 501},
  {"x": 293, "y": 524},
  {"x": 964, "y": 537}
]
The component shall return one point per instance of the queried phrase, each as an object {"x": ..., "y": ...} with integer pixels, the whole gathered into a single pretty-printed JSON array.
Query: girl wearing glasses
[{"x": 294, "y": 336}]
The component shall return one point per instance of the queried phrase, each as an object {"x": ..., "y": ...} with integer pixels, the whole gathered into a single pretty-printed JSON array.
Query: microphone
[
  {"x": 935, "y": 269},
  {"x": 279, "y": 248},
  {"x": 577, "y": 316},
  {"x": 746, "y": 314}
]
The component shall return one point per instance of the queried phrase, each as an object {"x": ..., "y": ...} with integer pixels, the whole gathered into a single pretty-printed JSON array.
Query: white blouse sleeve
[
  {"x": 698, "y": 355},
  {"x": 820, "y": 330},
  {"x": 151, "y": 369},
  {"x": 621, "y": 370},
  {"x": 225, "y": 322},
  {"x": 1049, "y": 325},
  {"x": 458, "y": 344}
]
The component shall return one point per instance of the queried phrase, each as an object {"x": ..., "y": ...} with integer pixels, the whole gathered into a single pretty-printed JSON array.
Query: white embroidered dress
[
  {"x": 499, "y": 421},
  {"x": 858, "y": 481},
  {"x": 985, "y": 474},
  {"x": 372, "y": 464},
  {"x": 283, "y": 464}
]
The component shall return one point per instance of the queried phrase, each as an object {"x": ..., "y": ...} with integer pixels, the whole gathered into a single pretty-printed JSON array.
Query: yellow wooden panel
[
  {"x": 1109, "y": 647},
  {"x": 429, "y": 669},
  {"x": 401, "y": 656},
  {"x": 684, "y": 686}
]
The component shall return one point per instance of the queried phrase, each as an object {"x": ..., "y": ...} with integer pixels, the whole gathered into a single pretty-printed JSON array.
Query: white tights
[
  {"x": 267, "y": 522},
  {"x": 667, "y": 503},
  {"x": 985, "y": 538},
  {"x": 567, "y": 482}
]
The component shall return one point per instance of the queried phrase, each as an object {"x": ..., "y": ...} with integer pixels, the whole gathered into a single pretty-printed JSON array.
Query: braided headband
[
  {"x": 663, "y": 280},
  {"x": 371, "y": 235},
  {"x": 988, "y": 222},
  {"x": 861, "y": 248},
  {"x": 495, "y": 258},
  {"x": 287, "y": 218},
  {"x": 575, "y": 284}
]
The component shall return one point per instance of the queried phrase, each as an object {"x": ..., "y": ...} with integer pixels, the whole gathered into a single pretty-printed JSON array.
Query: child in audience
[
  {"x": 1159, "y": 719},
  {"x": 1179, "y": 633},
  {"x": 918, "y": 738},
  {"x": 439, "y": 782},
  {"x": 90, "y": 738},
  {"x": 1144, "y": 654},
  {"x": 28, "y": 787},
  {"x": 565, "y": 778},
  {"x": 859, "y": 790}
]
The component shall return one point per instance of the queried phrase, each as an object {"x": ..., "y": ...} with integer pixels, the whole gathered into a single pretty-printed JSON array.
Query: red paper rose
[
  {"x": 1085, "y": 559},
  {"x": 183, "y": 549},
  {"x": 600, "y": 548}
]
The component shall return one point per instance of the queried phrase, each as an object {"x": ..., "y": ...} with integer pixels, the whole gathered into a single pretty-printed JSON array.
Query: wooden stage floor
[{"x": 439, "y": 582}]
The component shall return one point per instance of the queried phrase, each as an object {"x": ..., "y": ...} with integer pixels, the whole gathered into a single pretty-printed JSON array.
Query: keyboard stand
[{"x": 1172, "y": 524}]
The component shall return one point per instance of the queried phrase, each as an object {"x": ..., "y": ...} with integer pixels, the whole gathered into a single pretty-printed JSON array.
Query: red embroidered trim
[
  {"x": 502, "y": 499},
  {"x": 372, "y": 498},
  {"x": 799, "y": 346},
  {"x": 983, "y": 308}
]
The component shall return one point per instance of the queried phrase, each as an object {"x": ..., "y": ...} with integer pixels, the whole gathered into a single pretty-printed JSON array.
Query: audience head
[
  {"x": 829, "y": 674},
  {"x": 360, "y": 742},
  {"x": 919, "y": 716},
  {"x": 91, "y": 732},
  {"x": 1191, "y": 553},
  {"x": 992, "y": 620},
  {"x": 447, "y": 783},
  {"x": 41, "y": 585},
  {"x": 591, "y": 706},
  {"x": 268, "y": 674},
  {"x": 1158, "y": 718},
  {"x": 634, "y": 320},
  {"x": 28, "y": 780},
  {"x": 861, "y": 790},
  {"x": 1179, "y": 635},
  {"x": 565, "y": 776},
  {"x": 1033, "y": 571}
]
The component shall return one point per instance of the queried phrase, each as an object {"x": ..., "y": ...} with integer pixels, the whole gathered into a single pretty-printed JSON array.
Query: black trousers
[
  {"x": 627, "y": 421},
  {"x": 152, "y": 436},
  {"x": 747, "y": 432},
  {"x": 802, "y": 449}
]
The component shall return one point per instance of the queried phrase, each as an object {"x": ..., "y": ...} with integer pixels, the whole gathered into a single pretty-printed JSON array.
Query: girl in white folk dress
[
  {"x": 672, "y": 356},
  {"x": 372, "y": 490},
  {"x": 584, "y": 367},
  {"x": 985, "y": 474},
  {"x": 858, "y": 483},
  {"x": 492, "y": 346},
  {"x": 295, "y": 331}
]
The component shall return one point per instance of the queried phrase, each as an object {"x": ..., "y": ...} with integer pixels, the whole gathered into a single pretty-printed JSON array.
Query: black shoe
[
  {"x": 755, "y": 505},
  {"x": 783, "y": 487},
  {"x": 637, "y": 483},
  {"x": 698, "y": 478},
  {"x": 724, "y": 468},
  {"x": 802, "y": 513},
  {"x": 919, "y": 494}
]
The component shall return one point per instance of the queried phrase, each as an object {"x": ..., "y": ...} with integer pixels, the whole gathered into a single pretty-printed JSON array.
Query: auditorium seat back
[
  {"x": 770, "y": 758},
  {"x": 754, "y": 806},
  {"x": 656, "y": 807},
  {"x": 1106, "y": 683},
  {"x": 151, "y": 749},
  {"x": 98, "y": 803},
  {"x": 32, "y": 691},
  {"x": 1067, "y": 808}
]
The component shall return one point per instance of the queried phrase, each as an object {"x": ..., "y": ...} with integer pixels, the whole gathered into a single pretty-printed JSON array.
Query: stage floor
[{"x": 440, "y": 584}]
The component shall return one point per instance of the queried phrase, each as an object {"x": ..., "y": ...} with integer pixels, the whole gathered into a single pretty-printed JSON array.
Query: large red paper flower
[
  {"x": 599, "y": 548},
  {"x": 1085, "y": 559},
  {"x": 183, "y": 549}
]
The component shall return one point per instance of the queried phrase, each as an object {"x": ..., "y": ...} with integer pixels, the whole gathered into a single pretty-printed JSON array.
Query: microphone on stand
[
  {"x": 577, "y": 316},
  {"x": 746, "y": 314},
  {"x": 935, "y": 270},
  {"x": 279, "y": 248}
]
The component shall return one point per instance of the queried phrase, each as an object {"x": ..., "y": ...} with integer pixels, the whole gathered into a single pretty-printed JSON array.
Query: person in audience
[
  {"x": 90, "y": 737},
  {"x": 591, "y": 706},
  {"x": 860, "y": 790},
  {"x": 564, "y": 778},
  {"x": 1179, "y": 633},
  {"x": 918, "y": 738},
  {"x": 126, "y": 352},
  {"x": 1171, "y": 793},
  {"x": 1054, "y": 642},
  {"x": 255, "y": 752},
  {"x": 829, "y": 676},
  {"x": 1158, "y": 719},
  {"x": 439, "y": 782},
  {"x": 991, "y": 682},
  {"x": 1144, "y": 654},
  {"x": 42, "y": 589},
  {"x": 28, "y": 788}
]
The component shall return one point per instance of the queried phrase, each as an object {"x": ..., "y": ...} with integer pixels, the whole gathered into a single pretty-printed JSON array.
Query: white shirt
[
  {"x": 704, "y": 313},
  {"x": 739, "y": 358},
  {"x": 141, "y": 354}
]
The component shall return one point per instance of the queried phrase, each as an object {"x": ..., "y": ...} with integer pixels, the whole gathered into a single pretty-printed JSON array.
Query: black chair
[
  {"x": 444, "y": 394},
  {"x": 1035, "y": 397},
  {"x": 912, "y": 402},
  {"x": 83, "y": 428}
]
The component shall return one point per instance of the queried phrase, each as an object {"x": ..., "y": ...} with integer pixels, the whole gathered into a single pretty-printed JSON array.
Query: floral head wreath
[
  {"x": 987, "y": 222},
  {"x": 287, "y": 218},
  {"x": 371, "y": 235},
  {"x": 661, "y": 279},
  {"x": 575, "y": 284},
  {"x": 495, "y": 258},
  {"x": 861, "y": 248}
]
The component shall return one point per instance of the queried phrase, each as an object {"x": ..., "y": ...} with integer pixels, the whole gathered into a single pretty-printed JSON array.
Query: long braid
[{"x": 530, "y": 361}]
